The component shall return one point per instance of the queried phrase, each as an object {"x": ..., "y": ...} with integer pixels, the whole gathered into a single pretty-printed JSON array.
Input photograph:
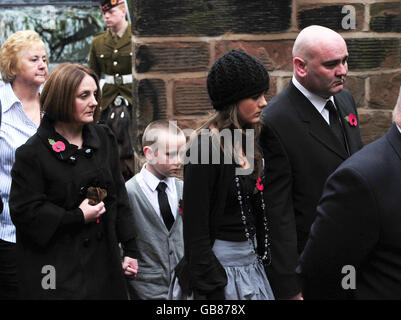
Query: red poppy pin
[
  {"x": 259, "y": 185},
  {"x": 351, "y": 119},
  {"x": 180, "y": 207},
  {"x": 58, "y": 146}
]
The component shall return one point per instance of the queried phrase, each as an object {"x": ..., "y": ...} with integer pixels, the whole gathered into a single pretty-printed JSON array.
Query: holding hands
[{"x": 130, "y": 267}]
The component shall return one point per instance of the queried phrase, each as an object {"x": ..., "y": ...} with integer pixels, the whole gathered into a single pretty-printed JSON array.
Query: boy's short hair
[
  {"x": 155, "y": 128},
  {"x": 58, "y": 95},
  {"x": 11, "y": 49}
]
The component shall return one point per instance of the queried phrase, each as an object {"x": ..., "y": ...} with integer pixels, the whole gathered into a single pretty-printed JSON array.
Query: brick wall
[{"x": 176, "y": 42}]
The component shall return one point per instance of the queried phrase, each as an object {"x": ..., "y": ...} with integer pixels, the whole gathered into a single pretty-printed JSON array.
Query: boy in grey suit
[{"x": 154, "y": 195}]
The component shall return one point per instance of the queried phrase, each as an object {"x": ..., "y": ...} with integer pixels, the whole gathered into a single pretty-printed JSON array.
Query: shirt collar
[
  {"x": 316, "y": 100},
  {"x": 120, "y": 33},
  {"x": 152, "y": 181},
  {"x": 9, "y": 97}
]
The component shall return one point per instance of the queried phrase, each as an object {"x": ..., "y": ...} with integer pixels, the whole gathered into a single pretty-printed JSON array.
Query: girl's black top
[{"x": 229, "y": 225}]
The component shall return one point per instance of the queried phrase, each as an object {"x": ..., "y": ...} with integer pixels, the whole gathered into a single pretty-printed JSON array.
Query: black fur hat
[{"x": 235, "y": 76}]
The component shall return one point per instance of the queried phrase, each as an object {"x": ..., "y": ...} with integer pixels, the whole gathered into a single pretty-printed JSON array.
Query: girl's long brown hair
[{"x": 228, "y": 119}]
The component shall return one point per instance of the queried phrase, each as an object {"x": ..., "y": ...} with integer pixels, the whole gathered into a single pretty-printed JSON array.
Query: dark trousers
[{"x": 8, "y": 271}]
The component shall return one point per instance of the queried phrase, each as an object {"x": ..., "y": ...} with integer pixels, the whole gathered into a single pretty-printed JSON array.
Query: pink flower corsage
[
  {"x": 259, "y": 185},
  {"x": 351, "y": 119},
  {"x": 58, "y": 146}
]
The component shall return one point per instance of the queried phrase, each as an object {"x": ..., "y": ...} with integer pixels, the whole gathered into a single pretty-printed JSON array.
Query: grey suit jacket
[{"x": 158, "y": 250}]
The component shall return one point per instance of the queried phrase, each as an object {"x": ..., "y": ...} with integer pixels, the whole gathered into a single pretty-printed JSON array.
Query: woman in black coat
[{"x": 68, "y": 198}]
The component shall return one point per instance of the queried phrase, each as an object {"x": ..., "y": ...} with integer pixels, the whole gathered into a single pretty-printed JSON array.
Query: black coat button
[
  {"x": 86, "y": 242},
  {"x": 82, "y": 191},
  {"x": 99, "y": 235},
  {"x": 72, "y": 160},
  {"x": 88, "y": 152}
]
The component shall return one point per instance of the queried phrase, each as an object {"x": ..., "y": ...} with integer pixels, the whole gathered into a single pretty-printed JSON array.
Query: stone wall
[{"x": 175, "y": 44}]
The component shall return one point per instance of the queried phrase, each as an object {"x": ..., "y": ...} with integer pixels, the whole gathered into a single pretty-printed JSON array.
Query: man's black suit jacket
[
  {"x": 358, "y": 224},
  {"x": 301, "y": 151},
  {"x": 1, "y": 201}
]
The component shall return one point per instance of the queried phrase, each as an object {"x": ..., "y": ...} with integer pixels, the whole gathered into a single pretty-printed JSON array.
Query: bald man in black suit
[{"x": 309, "y": 129}]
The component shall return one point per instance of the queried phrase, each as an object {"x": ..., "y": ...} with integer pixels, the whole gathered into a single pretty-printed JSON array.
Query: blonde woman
[{"x": 23, "y": 66}]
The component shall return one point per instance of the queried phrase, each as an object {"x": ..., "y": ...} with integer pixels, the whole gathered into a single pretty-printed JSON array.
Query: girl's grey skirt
[{"x": 246, "y": 277}]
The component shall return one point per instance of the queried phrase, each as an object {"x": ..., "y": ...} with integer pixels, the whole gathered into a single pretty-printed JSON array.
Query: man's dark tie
[
  {"x": 335, "y": 123},
  {"x": 165, "y": 209}
]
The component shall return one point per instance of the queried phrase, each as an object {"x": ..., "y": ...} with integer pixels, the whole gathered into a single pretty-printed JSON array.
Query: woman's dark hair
[{"x": 57, "y": 98}]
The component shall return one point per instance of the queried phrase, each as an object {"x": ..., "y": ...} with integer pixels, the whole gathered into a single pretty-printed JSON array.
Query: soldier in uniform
[{"x": 111, "y": 58}]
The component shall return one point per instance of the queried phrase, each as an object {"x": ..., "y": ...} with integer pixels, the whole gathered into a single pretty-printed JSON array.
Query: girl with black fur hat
[{"x": 226, "y": 229}]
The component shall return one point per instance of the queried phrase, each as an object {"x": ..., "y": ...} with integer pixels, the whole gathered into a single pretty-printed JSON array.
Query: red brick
[
  {"x": 371, "y": 53},
  {"x": 330, "y": 16},
  {"x": 152, "y": 101},
  {"x": 276, "y": 55},
  {"x": 374, "y": 124},
  {"x": 172, "y": 57},
  {"x": 384, "y": 90},
  {"x": 273, "y": 88},
  {"x": 357, "y": 87},
  {"x": 192, "y": 124},
  {"x": 190, "y": 97},
  {"x": 211, "y": 18},
  {"x": 385, "y": 17}
]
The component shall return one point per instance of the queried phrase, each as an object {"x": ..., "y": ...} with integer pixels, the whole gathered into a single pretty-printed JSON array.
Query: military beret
[{"x": 106, "y": 5}]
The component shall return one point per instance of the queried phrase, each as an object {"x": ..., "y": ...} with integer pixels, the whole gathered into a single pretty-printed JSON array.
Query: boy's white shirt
[{"x": 149, "y": 182}]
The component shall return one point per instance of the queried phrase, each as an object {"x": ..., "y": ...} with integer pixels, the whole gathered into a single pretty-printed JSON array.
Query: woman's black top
[
  {"x": 211, "y": 211},
  {"x": 229, "y": 225}
]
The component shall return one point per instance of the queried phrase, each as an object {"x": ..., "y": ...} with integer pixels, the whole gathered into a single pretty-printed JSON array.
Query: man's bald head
[
  {"x": 311, "y": 39},
  {"x": 320, "y": 60}
]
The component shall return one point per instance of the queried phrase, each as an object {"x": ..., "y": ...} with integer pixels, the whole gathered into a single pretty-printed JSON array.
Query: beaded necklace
[{"x": 266, "y": 258}]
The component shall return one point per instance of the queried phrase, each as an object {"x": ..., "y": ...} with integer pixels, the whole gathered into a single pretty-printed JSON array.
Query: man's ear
[
  {"x": 124, "y": 10},
  {"x": 148, "y": 152},
  {"x": 300, "y": 67}
]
